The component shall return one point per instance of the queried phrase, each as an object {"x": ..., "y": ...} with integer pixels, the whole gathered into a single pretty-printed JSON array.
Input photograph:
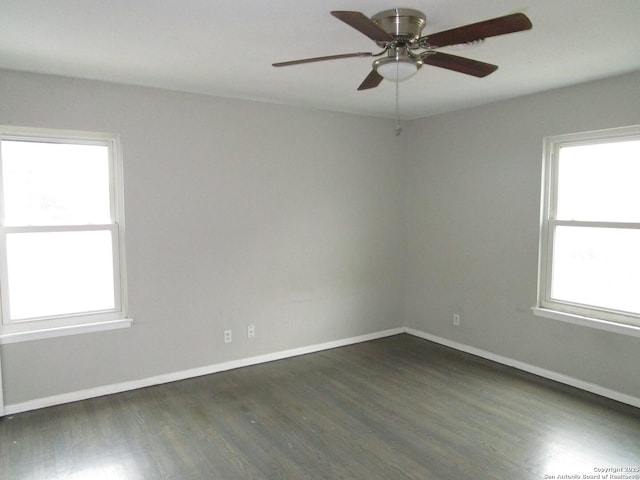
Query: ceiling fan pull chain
[{"x": 398, "y": 127}]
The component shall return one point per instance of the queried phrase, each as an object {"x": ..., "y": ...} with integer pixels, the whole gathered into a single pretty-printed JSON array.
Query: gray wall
[
  {"x": 318, "y": 226},
  {"x": 473, "y": 210},
  {"x": 236, "y": 213}
]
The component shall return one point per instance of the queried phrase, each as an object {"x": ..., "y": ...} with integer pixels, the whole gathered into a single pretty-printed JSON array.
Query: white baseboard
[
  {"x": 269, "y": 357},
  {"x": 190, "y": 373},
  {"x": 558, "y": 377}
]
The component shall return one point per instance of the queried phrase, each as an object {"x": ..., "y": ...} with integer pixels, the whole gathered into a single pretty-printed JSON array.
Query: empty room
[{"x": 319, "y": 240}]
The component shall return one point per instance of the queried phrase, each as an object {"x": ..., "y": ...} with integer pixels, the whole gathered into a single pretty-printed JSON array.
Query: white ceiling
[{"x": 226, "y": 47}]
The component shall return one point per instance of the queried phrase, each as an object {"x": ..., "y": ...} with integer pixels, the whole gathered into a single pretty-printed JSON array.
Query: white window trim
[
  {"x": 583, "y": 321},
  {"x": 63, "y": 331},
  {"x": 602, "y": 319},
  {"x": 36, "y": 329}
]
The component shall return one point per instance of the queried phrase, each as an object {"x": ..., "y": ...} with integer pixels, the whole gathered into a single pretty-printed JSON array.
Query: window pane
[
  {"x": 56, "y": 273},
  {"x": 598, "y": 267},
  {"x": 55, "y": 184},
  {"x": 599, "y": 182}
]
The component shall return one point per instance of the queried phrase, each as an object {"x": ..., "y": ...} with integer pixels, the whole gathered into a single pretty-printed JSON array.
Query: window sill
[
  {"x": 587, "y": 321},
  {"x": 42, "y": 333}
]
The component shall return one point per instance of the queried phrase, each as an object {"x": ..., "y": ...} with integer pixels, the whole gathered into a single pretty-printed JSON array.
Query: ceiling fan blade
[
  {"x": 515, "y": 22},
  {"x": 459, "y": 64},
  {"x": 372, "y": 81},
  {"x": 322, "y": 59},
  {"x": 363, "y": 24}
]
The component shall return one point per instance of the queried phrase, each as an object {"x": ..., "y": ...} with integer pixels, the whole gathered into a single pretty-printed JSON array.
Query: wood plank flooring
[{"x": 396, "y": 408}]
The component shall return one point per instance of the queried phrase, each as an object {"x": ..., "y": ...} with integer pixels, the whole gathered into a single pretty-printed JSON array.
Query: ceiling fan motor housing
[
  {"x": 402, "y": 23},
  {"x": 405, "y": 26}
]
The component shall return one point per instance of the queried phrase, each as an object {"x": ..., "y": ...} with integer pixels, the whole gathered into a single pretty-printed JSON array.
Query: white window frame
[
  {"x": 585, "y": 315},
  {"x": 53, "y": 326}
]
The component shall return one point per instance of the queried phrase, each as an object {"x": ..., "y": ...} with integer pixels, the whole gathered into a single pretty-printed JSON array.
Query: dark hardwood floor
[{"x": 395, "y": 408}]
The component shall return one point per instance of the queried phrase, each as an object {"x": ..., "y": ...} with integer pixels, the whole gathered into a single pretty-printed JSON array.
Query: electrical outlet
[
  {"x": 227, "y": 336},
  {"x": 456, "y": 319},
  {"x": 251, "y": 331}
]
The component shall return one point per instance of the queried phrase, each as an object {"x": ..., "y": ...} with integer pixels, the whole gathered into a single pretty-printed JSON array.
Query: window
[
  {"x": 590, "y": 229},
  {"x": 61, "y": 233}
]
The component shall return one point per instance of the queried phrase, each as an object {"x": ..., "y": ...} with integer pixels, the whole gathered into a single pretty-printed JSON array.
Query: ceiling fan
[{"x": 398, "y": 33}]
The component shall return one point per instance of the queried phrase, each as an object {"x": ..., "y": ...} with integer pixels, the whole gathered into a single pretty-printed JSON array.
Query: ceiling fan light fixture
[{"x": 397, "y": 69}]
